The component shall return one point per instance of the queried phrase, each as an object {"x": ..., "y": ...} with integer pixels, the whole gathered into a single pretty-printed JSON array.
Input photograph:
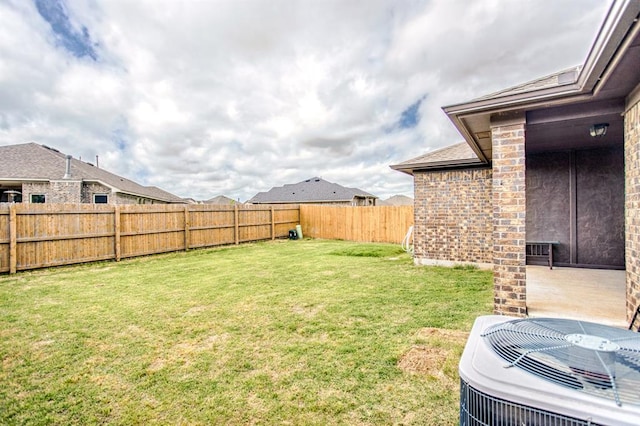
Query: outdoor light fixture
[{"x": 598, "y": 130}]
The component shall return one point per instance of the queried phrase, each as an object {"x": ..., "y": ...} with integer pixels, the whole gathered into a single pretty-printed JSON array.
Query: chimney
[
  {"x": 97, "y": 165},
  {"x": 67, "y": 173}
]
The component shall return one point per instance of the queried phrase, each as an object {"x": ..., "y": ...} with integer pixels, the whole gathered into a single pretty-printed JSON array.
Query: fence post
[
  {"x": 187, "y": 236},
  {"x": 273, "y": 224},
  {"x": 13, "y": 239},
  {"x": 236, "y": 225},
  {"x": 116, "y": 226}
]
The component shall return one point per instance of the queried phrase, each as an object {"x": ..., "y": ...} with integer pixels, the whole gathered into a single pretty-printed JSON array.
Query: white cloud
[{"x": 227, "y": 97}]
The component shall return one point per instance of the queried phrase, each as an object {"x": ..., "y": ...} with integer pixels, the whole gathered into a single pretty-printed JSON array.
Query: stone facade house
[
  {"x": 315, "y": 191},
  {"x": 555, "y": 160},
  {"x": 34, "y": 173}
]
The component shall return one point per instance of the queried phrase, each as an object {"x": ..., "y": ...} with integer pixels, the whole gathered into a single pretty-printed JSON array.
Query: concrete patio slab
[{"x": 596, "y": 295}]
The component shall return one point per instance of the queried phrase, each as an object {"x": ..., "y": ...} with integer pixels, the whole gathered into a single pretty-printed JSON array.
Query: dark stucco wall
[
  {"x": 548, "y": 215},
  {"x": 581, "y": 190}
]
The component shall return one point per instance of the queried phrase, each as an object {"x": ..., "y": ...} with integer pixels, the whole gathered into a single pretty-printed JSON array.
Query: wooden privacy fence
[
  {"x": 385, "y": 224},
  {"x": 42, "y": 235}
]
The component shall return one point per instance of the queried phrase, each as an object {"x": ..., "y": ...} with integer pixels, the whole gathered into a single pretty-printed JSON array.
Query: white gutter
[{"x": 621, "y": 16}]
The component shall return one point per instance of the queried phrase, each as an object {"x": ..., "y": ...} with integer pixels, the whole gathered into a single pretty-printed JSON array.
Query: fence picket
[
  {"x": 37, "y": 235},
  {"x": 13, "y": 240},
  {"x": 388, "y": 224}
]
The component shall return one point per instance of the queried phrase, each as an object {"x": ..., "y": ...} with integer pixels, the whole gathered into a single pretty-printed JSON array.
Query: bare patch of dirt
[
  {"x": 196, "y": 310},
  {"x": 308, "y": 311},
  {"x": 456, "y": 336},
  {"x": 156, "y": 365},
  {"x": 424, "y": 360},
  {"x": 42, "y": 343},
  {"x": 436, "y": 355},
  {"x": 184, "y": 353}
]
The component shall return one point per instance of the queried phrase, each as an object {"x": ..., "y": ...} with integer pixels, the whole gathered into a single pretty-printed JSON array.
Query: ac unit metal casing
[{"x": 496, "y": 385}]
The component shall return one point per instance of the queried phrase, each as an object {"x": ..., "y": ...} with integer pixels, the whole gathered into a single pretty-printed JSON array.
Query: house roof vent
[{"x": 67, "y": 172}]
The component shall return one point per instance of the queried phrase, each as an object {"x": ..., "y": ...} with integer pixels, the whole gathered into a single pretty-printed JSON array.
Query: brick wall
[
  {"x": 120, "y": 198},
  {"x": 453, "y": 217},
  {"x": 91, "y": 188},
  {"x": 34, "y": 188},
  {"x": 58, "y": 191},
  {"x": 632, "y": 205},
  {"x": 72, "y": 191},
  {"x": 65, "y": 191},
  {"x": 509, "y": 217}
]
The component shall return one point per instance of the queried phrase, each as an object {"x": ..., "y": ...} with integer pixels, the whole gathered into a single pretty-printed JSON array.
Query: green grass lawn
[{"x": 285, "y": 332}]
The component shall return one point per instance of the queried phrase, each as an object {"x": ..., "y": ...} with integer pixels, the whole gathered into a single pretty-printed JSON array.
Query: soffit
[{"x": 567, "y": 126}]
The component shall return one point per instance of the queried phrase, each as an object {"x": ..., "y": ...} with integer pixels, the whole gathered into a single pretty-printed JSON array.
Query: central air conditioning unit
[{"x": 549, "y": 371}]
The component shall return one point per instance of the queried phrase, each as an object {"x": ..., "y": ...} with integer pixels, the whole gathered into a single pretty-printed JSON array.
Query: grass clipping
[{"x": 436, "y": 355}]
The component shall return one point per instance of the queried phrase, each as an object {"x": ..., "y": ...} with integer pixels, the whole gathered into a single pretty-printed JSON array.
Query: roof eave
[
  {"x": 622, "y": 16},
  {"x": 509, "y": 102},
  {"x": 19, "y": 179},
  {"x": 134, "y": 194},
  {"x": 438, "y": 165}
]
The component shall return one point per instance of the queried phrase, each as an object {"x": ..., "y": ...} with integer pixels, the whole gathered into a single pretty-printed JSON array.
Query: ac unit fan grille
[
  {"x": 479, "y": 409},
  {"x": 588, "y": 357}
]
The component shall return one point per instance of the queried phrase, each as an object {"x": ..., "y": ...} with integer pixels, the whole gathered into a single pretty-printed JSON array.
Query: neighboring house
[
  {"x": 315, "y": 191},
  {"x": 221, "y": 199},
  {"x": 555, "y": 159},
  {"x": 396, "y": 200},
  {"x": 34, "y": 173}
]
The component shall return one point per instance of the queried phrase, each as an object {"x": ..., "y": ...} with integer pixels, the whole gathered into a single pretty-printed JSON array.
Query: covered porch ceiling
[{"x": 567, "y": 127}]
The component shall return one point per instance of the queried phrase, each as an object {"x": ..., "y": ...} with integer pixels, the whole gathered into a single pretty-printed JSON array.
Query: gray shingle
[
  {"x": 309, "y": 190},
  {"x": 221, "y": 199},
  {"x": 567, "y": 76},
  {"x": 459, "y": 154},
  {"x": 459, "y": 151},
  {"x": 32, "y": 161}
]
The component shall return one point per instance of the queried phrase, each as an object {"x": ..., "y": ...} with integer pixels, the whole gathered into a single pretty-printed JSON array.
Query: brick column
[
  {"x": 509, "y": 214},
  {"x": 632, "y": 200}
]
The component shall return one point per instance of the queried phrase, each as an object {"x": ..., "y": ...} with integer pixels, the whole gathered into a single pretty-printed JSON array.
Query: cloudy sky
[{"x": 233, "y": 97}]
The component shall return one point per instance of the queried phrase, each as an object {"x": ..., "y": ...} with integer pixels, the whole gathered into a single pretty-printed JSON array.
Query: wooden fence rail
[
  {"x": 42, "y": 235},
  {"x": 385, "y": 224}
]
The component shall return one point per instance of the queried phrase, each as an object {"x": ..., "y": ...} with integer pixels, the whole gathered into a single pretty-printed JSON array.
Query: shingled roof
[
  {"x": 460, "y": 155},
  {"x": 221, "y": 199},
  {"x": 560, "y": 78},
  {"x": 314, "y": 190},
  {"x": 35, "y": 162}
]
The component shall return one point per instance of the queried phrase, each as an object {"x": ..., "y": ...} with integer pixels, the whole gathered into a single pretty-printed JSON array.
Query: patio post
[
  {"x": 632, "y": 199},
  {"x": 509, "y": 214}
]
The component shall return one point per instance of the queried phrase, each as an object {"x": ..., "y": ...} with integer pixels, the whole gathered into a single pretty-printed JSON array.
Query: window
[
  {"x": 38, "y": 198},
  {"x": 100, "y": 198}
]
